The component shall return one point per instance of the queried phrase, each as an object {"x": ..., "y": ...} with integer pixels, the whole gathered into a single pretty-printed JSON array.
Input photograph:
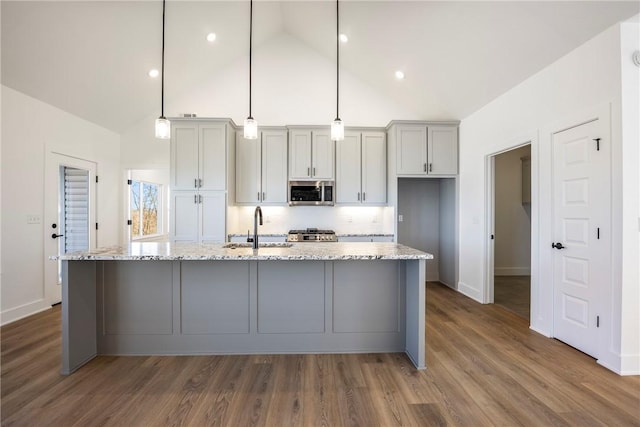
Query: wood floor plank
[{"x": 485, "y": 367}]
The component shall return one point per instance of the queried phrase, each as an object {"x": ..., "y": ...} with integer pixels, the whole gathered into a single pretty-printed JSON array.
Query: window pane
[
  {"x": 135, "y": 208},
  {"x": 150, "y": 209}
]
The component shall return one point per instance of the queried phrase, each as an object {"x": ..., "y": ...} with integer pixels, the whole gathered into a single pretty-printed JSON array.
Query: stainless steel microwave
[{"x": 311, "y": 193}]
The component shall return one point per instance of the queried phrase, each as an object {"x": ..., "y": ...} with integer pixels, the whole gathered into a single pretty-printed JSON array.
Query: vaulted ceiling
[{"x": 91, "y": 58}]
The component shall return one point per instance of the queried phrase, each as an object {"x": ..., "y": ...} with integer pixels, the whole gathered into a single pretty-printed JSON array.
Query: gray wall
[{"x": 447, "y": 262}]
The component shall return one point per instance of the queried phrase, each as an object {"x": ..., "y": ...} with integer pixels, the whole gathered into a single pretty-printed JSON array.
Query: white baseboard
[
  {"x": 622, "y": 364},
  {"x": 512, "y": 271},
  {"x": 26, "y": 310},
  {"x": 470, "y": 292}
]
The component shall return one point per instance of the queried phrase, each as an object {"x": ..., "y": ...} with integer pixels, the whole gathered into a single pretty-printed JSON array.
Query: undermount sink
[{"x": 260, "y": 245}]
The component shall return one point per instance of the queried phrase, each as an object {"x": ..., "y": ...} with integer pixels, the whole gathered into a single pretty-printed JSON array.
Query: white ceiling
[{"x": 91, "y": 58}]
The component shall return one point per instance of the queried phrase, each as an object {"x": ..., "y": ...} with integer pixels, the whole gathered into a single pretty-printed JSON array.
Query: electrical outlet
[
  {"x": 33, "y": 219},
  {"x": 400, "y": 218}
]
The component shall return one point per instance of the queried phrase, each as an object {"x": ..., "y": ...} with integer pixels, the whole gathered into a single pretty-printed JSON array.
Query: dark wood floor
[
  {"x": 513, "y": 293},
  {"x": 485, "y": 368}
]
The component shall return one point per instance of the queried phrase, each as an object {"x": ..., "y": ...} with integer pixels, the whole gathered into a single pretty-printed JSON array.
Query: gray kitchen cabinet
[
  {"x": 198, "y": 216},
  {"x": 361, "y": 168},
  {"x": 311, "y": 154},
  {"x": 261, "y": 168},
  {"x": 423, "y": 150}
]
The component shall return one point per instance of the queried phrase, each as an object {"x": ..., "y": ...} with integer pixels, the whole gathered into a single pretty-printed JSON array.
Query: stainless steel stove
[{"x": 312, "y": 235}]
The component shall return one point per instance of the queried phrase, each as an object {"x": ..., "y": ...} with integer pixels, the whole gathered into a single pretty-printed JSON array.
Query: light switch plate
[{"x": 33, "y": 219}]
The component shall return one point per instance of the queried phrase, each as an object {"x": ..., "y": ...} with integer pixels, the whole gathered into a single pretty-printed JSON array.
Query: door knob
[
  {"x": 55, "y": 236},
  {"x": 557, "y": 245}
]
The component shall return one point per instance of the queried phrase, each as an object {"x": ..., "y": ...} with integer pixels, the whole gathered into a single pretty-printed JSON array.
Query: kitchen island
[{"x": 189, "y": 298}]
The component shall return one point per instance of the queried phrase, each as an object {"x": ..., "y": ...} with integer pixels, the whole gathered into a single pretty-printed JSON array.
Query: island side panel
[
  {"x": 415, "y": 304},
  {"x": 79, "y": 343}
]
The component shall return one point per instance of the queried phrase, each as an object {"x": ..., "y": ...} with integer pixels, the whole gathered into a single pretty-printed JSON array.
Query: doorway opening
[{"x": 511, "y": 225}]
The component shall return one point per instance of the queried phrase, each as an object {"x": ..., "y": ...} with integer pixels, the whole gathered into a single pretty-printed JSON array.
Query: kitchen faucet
[{"x": 257, "y": 212}]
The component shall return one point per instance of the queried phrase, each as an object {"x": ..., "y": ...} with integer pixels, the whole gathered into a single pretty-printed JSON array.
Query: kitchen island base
[{"x": 160, "y": 307}]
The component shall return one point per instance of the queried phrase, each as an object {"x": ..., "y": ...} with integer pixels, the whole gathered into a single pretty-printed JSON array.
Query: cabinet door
[
  {"x": 443, "y": 150},
  {"x": 247, "y": 170},
  {"x": 411, "y": 154},
  {"x": 212, "y": 216},
  {"x": 323, "y": 155},
  {"x": 212, "y": 157},
  {"x": 184, "y": 156},
  {"x": 300, "y": 154},
  {"x": 274, "y": 167},
  {"x": 374, "y": 168},
  {"x": 348, "y": 169},
  {"x": 184, "y": 216}
]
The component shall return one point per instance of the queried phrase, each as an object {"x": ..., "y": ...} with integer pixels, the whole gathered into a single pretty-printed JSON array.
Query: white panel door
[
  {"x": 184, "y": 156},
  {"x": 442, "y": 155},
  {"x": 212, "y": 216},
  {"x": 184, "y": 216},
  {"x": 374, "y": 168},
  {"x": 248, "y": 166},
  {"x": 411, "y": 150},
  {"x": 581, "y": 266},
  {"x": 212, "y": 155},
  {"x": 300, "y": 154},
  {"x": 274, "y": 166},
  {"x": 322, "y": 158},
  {"x": 348, "y": 165}
]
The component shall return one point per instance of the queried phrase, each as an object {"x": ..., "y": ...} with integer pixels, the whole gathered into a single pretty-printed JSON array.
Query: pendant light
[
  {"x": 163, "y": 126},
  {"x": 250, "y": 124},
  {"x": 337, "y": 127}
]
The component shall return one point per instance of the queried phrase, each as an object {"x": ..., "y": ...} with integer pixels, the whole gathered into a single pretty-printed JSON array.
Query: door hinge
[
  {"x": 129, "y": 222},
  {"x": 96, "y": 225},
  {"x": 597, "y": 321},
  {"x": 598, "y": 233},
  {"x": 96, "y": 179},
  {"x": 129, "y": 182},
  {"x": 492, "y": 237},
  {"x": 597, "y": 140}
]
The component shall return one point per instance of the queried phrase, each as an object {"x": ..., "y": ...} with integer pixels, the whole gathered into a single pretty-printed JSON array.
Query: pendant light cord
[
  {"x": 250, "y": 46},
  {"x": 337, "y": 61},
  {"x": 162, "y": 77}
]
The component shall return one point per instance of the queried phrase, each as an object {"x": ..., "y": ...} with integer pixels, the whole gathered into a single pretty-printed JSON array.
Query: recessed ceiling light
[
  {"x": 211, "y": 37},
  {"x": 399, "y": 75},
  {"x": 344, "y": 38},
  {"x": 154, "y": 73}
]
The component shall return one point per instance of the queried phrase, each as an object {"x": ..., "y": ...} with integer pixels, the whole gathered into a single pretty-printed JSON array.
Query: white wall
[
  {"x": 578, "y": 86},
  {"x": 512, "y": 218},
  {"x": 31, "y": 129}
]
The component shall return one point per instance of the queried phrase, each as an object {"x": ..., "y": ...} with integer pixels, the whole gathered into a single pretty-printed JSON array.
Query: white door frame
[
  {"x": 490, "y": 216},
  {"x": 53, "y": 162}
]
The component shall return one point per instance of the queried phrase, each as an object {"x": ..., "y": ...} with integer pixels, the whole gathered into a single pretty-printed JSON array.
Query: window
[{"x": 146, "y": 217}]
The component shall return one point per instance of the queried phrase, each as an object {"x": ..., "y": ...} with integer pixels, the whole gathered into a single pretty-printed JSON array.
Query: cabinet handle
[
  {"x": 430, "y": 167},
  {"x": 199, "y": 183},
  {"x": 425, "y": 167},
  {"x": 258, "y": 196},
  {"x": 308, "y": 171},
  {"x": 364, "y": 196},
  {"x": 264, "y": 196},
  {"x": 195, "y": 199},
  {"x": 314, "y": 171},
  {"x": 195, "y": 183},
  {"x": 358, "y": 196},
  {"x": 200, "y": 198}
]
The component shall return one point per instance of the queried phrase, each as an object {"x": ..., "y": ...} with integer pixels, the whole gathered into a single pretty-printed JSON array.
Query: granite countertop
[{"x": 164, "y": 251}]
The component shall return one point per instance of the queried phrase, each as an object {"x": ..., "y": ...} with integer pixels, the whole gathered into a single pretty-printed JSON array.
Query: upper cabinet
[
  {"x": 311, "y": 154},
  {"x": 198, "y": 156},
  {"x": 426, "y": 149},
  {"x": 261, "y": 168},
  {"x": 361, "y": 168}
]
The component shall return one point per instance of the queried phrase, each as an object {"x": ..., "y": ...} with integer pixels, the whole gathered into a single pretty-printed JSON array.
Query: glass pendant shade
[
  {"x": 250, "y": 128},
  {"x": 337, "y": 130},
  {"x": 163, "y": 128}
]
